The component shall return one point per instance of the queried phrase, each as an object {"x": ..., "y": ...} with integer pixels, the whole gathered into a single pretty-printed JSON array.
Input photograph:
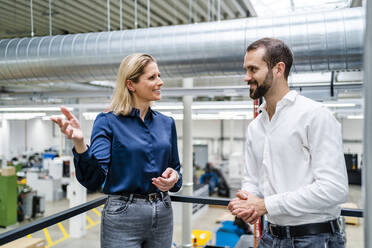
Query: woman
[{"x": 134, "y": 153}]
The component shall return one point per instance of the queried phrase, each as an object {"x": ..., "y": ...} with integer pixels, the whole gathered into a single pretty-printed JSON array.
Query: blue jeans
[
  {"x": 323, "y": 240},
  {"x": 135, "y": 222}
]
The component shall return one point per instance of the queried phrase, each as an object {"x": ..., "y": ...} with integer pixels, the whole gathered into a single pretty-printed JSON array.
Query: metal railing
[{"x": 37, "y": 225}]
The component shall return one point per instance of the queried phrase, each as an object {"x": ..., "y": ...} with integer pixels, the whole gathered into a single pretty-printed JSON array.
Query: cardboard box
[
  {"x": 349, "y": 219},
  {"x": 26, "y": 243},
  {"x": 8, "y": 171}
]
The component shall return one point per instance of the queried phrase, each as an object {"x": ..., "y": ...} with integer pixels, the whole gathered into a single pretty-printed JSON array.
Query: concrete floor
[{"x": 206, "y": 219}]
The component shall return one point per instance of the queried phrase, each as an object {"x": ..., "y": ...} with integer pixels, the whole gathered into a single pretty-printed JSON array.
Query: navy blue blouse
[{"x": 126, "y": 153}]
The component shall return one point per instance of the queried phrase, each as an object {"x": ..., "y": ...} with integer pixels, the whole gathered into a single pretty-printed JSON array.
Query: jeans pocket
[
  {"x": 117, "y": 205},
  {"x": 167, "y": 201},
  {"x": 338, "y": 239}
]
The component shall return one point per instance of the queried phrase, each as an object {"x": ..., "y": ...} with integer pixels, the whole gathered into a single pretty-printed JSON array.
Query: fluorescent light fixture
[
  {"x": 206, "y": 105},
  {"x": 104, "y": 83},
  {"x": 170, "y": 107},
  {"x": 216, "y": 116},
  {"x": 22, "y": 116},
  {"x": 90, "y": 115},
  {"x": 339, "y": 105},
  {"x": 355, "y": 117},
  {"x": 26, "y": 109},
  {"x": 47, "y": 118},
  {"x": 310, "y": 77},
  {"x": 223, "y": 106}
]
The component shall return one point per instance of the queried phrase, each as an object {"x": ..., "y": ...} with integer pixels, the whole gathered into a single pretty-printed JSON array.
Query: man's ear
[
  {"x": 130, "y": 86},
  {"x": 279, "y": 69}
]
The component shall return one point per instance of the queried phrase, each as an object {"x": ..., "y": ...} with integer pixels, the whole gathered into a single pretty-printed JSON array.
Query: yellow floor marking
[
  {"x": 96, "y": 211},
  {"x": 58, "y": 241},
  {"x": 50, "y": 242},
  {"x": 91, "y": 222},
  {"x": 63, "y": 230}
]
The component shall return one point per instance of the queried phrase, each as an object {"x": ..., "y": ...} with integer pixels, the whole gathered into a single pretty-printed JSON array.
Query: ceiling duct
[{"x": 323, "y": 41}]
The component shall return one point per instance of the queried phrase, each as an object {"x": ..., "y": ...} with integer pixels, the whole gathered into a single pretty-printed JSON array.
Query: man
[{"x": 295, "y": 170}]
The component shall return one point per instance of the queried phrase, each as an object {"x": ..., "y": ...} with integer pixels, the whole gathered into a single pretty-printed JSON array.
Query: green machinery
[{"x": 8, "y": 200}]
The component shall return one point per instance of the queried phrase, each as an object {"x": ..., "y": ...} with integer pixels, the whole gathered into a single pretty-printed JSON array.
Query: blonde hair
[{"x": 131, "y": 68}]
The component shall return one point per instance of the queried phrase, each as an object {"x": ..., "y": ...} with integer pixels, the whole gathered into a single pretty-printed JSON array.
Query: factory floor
[{"x": 206, "y": 219}]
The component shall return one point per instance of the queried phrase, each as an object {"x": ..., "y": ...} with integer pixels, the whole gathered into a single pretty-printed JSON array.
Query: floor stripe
[
  {"x": 96, "y": 212},
  {"x": 91, "y": 222},
  {"x": 63, "y": 230},
  {"x": 50, "y": 242}
]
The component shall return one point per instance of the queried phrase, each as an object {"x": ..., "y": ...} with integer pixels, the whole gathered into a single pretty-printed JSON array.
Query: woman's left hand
[{"x": 167, "y": 180}]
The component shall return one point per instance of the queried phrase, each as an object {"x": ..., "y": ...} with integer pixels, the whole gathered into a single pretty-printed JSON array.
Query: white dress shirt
[{"x": 296, "y": 162}]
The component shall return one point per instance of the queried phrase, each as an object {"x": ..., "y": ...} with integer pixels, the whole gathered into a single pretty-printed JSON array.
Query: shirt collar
[
  {"x": 288, "y": 98},
  {"x": 136, "y": 112}
]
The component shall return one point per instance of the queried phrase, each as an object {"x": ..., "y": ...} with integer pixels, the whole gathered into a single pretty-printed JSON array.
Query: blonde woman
[{"x": 134, "y": 153}]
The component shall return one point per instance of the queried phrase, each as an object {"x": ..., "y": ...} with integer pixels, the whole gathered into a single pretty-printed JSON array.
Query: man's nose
[{"x": 247, "y": 78}]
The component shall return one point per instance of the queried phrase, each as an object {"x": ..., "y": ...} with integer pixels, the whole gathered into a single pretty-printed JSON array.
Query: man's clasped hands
[{"x": 247, "y": 206}]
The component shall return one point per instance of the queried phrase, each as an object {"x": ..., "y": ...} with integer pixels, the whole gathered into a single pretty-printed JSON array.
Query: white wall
[
  {"x": 40, "y": 135},
  {"x": 16, "y": 141},
  {"x": 37, "y": 137},
  {"x": 352, "y": 135},
  {"x": 4, "y": 140}
]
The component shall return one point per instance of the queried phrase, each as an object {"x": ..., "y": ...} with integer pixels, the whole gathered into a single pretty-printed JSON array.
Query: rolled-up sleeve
[
  {"x": 91, "y": 166},
  {"x": 174, "y": 161}
]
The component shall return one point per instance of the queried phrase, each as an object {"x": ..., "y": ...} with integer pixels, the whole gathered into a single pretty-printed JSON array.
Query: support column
[
  {"x": 76, "y": 193},
  {"x": 4, "y": 142},
  {"x": 187, "y": 165},
  {"x": 367, "y": 142},
  {"x": 231, "y": 150}
]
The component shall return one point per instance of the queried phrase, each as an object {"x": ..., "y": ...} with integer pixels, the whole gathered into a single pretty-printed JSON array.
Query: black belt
[
  {"x": 302, "y": 230},
  {"x": 151, "y": 196}
]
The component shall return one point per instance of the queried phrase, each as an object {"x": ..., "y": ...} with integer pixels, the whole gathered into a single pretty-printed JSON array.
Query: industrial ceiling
[{"x": 35, "y": 18}]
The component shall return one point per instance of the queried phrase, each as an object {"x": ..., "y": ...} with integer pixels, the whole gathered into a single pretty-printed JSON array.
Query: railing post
[
  {"x": 187, "y": 164},
  {"x": 367, "y": 141}
]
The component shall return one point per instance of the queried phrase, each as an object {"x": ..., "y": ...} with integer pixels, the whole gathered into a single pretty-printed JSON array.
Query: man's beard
[{"x": 261, "y": 89}]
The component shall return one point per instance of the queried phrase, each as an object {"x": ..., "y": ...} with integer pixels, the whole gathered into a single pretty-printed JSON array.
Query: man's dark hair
[{"x": 276, "y": 51}]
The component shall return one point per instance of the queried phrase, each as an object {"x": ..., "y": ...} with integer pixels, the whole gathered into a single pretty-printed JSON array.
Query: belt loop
[
  {"x": 130, "y": 198},
  {"x": 288, "y": 231},
  {"x": 332, "y": 226},
  {"x": 162, "y": 195}
]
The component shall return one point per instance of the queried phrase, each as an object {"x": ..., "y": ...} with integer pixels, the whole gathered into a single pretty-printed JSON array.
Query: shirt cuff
[
  {"x": 273, "y": 205},
  {"x": 81, "y": 156}
]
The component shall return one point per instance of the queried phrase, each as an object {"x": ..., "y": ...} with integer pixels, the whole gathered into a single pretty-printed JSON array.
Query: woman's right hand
[{"x": 71, "y": 128}]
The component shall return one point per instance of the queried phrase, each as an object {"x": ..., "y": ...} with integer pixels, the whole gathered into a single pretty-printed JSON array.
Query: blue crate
[{"x": 228, "y": 234}]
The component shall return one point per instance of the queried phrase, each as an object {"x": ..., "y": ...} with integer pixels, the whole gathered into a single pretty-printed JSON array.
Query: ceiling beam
[
  {"x": 142, "y": 13},
  {"x": 226, "y": 9},
  {"x": 157, "y": 14},
  {"x": 44, "y": 19},
  {"x": 239, "y": 8},
  {"x": 127, "y": 15},
  {"x": 356, "y": 3},
  {"x": 248, "y": 7},
  {"x": 177, "y": 17}
]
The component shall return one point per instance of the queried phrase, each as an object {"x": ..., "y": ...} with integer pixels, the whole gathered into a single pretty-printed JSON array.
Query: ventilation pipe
[{"x": 324, "y": 41}]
